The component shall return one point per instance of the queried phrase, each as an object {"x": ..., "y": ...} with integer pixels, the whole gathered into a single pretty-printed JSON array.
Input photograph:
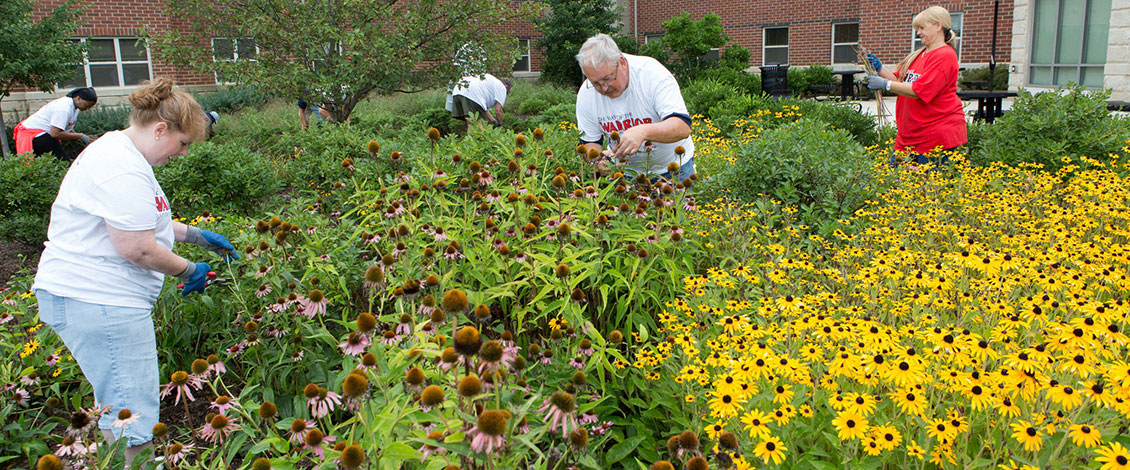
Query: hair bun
[{"x": 150, "y": 96}]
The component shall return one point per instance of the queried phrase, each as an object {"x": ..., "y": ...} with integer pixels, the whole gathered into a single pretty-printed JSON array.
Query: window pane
[
  {"x": 132, "y": 74},
  {"x": 777, "y": 37},
  {"x": 916, "y": 44},
  {"x": 1043, "y": 44},
  {"x": 222, "y": 49},
  {"x": 101, "y": 50},
  {"x": 77, "y": 80},
  {"x": 843, "y": 55},
  {"x": 777, "y": 55},
  {"x": 132, "y": 49},
  {"x": 846, "y": 33},
  {"x": 1098, "y": 27},
  {"x": 955, "y": 22},
  {"x": 652, "y": 38},
  {"x": 1064, "y": 75},
  {"x": 522, "y": 64},
  {"x": 956, "y": 45},
  {"x": 1093, "y": 76},
  {"x": 1041, "y": 76},
  {"x": 104, "y": 75},
  {"x": 1069, "y": 44},
  {"x": 246, "y": 48}
]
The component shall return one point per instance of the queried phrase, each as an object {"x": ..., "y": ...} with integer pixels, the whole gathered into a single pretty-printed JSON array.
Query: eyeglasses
[{"x": 602, "y": 84}]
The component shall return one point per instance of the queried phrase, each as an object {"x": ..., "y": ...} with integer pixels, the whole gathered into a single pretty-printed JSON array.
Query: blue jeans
[
  {"x": 116, "y": 348},
  {"x": 938, "y": 158}
]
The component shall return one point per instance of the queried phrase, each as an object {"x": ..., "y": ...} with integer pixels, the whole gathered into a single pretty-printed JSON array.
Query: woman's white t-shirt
[
  {"x": 61, "y": 113},
  {"x": 109, "y": 183},
  {"x": 485, "y": 91},
  {"x": 652, "y": 96}
]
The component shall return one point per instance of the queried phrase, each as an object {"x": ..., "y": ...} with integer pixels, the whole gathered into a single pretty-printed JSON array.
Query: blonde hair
[
  {"x": 157, "y": 101},
  {"x": 932, "y": 15}
]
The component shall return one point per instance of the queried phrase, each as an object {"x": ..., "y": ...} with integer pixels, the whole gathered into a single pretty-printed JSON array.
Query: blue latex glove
[
  {"x": 195, "y": 278},
  {"x": 876, "y": 82},
  {"x": 212, "y": 241},
  {"x": 874, "y": 61}
]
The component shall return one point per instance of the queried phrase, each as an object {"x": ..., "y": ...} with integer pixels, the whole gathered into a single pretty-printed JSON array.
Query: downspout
[{"x": 636, "y": 19}]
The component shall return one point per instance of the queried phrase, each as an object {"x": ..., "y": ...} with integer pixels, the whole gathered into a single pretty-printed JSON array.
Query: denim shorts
[{"x": 116, "y": 348}]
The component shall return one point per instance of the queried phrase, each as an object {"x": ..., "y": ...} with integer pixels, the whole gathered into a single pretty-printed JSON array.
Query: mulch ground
[{"x": 15, "y": 256}]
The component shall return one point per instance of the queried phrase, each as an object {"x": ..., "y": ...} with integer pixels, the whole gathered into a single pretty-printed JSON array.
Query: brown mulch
[{"x": 11, "y": 262}]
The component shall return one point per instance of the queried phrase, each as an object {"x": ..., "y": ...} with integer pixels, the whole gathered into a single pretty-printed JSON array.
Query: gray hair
[{"x": 598, "y": 50}]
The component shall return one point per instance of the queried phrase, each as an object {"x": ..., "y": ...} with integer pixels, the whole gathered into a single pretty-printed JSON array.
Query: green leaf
[{"x": 622, "y": 449}]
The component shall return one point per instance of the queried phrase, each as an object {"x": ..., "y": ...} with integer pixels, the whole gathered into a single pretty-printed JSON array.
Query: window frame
[
  {"x": 765, "y": 47},
  {"x": 915, "y": 42},
  {"x": 1054, "y": 66},
  {"x": 118, "y": 62},
  {"x": 527, "y": 56},
  {"x": 234, "y": 53},
  {"x": 834, "y": 43}
]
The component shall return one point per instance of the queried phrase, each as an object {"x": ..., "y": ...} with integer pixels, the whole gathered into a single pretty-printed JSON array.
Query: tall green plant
[
  {"x": 36, "y": 54},
  {"x": 564, "y": 27}
]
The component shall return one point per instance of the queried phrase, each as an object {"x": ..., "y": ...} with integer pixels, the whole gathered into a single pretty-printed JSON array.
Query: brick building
[{"x": 796, "y": 32}]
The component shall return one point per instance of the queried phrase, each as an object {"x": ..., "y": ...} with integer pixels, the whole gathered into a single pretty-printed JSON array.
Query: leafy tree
[
  {"x": 36, "y": 54},
  {"x": 337, "y": 52},
  {"x": 566, "y": 25},
  {"x": 688, "y": 40}
]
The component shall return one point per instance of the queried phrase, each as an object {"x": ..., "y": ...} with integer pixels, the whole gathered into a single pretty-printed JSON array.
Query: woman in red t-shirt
[{"x": 928, "y": 113}]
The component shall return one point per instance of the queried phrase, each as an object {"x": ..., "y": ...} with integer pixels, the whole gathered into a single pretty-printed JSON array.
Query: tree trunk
[{"x": 3, "y": 132}]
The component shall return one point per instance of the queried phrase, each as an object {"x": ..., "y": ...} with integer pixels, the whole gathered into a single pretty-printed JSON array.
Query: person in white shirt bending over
[
  {"x": 475, "y": 96},
  {"x": 44, "y": 131},
  {"x": 639, "y": 99}
]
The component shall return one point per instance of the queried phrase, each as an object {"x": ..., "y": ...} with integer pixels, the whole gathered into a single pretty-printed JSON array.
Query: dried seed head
[
  {"x": 455, "y": 301},
  {"x": 368, "y": 360},
  {"x": 437, "y": 316},
  {"x": 470, "y": 386},
  {"x": 578, "y": 295},
  {"x": 218, "y": 421},
  {"x": 314, "y": 437},
  {"x": 680, "y": 150},
  {"x": 728, "y": 441},
  {"x": 467, "y": 341},
  {"x": 662, "y": 465},
  {"x": 311, "y": 391},
  {"x": 538, "y": 133},
  {"x": 579, "y": 379},
  {"x": 492, "y": 422},
  {"x": 697, "y": 462},
  {"x": 563, "y": 401},
  {"x": 355, "y": 385},
  {"x": 520, "y": 140},
  {"x": 352, "y": 457},
  {"x": 414, "y": 376},
  {"x": 431, "y": 396},
  {"x": 672, "y": 167},
  {"x": 562, "y": 270},
  {"x": 688, "y": 440},
  {"x": 261, "y": 463},
  {"x": 431, "y": 281},
  {"x": 433, "y": 134},
  {"x": 268, "y": 410},
  {"x": 374, "y": 274},
  {"x": 199, "y": 366},
  {"x": 49, "y": 462},
  {"x": 298, "y": 425},
  {"x": 316, "y": 296},
  {"x": 366, "y": 322},
  {"x": 491, "y": 351},
  {"x": 579, "y": 438}
]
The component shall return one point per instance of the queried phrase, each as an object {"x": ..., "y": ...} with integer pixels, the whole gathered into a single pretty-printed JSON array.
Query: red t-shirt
[{"x": 936, "y": 118}]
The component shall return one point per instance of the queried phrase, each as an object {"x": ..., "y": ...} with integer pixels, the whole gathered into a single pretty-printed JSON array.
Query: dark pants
[
  {"x": 938, "y": 158},
  {"x": 47, "y": 144}
]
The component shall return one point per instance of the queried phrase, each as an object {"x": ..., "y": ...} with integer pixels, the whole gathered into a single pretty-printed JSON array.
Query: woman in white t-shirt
[
  {"x": 108, "y": 250},
  {"x": 44, "y": 131}
]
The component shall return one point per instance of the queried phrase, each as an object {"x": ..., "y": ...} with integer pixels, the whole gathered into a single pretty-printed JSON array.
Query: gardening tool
[{"x": 880, "y": 109}]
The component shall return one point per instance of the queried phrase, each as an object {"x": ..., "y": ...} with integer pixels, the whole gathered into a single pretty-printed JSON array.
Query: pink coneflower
[
  {"x": 71, "y": 447},
  {"x": 51, "y": 359},
  {"x": 335, "y": 213},
  {"x": 311, "y": 229},
  {"x": 21, "y": 396},
  {"x": 297, "y": 431},
  {"x": 585, "y": 347},
  {"x": 183, "y": 384},
  {"x": 588, "y": 417},
  {"x": 315, "y": 441},
  {"x": 325, "y": 257},
  {"x": 263, "y": 270},
  {"x": 234, "y": 351},
  {"x": 315, "y": 304},
  {"x": 429, "y": 449},
  {"x": 390, "y": 338},
  {"x": 215, "y": 365},
  {"x": 222, "y": 404},
  {"x": 485, "y": 179},
  {"x": 521, "y": 257},
  {"x": 439, "y": 174},
  {"x": 560, "y": 409},
  {"x": 31, "y": 378},
  {"x": 322, "y": 403},
  {"x": 176, "y": 452},
  {"x": 125, "y": 418},
  {"x": 6, "y": 317},
  {"x": 218, "y": 429},
  {"x": 577, "y": 362},
  {"x": 602, "y": 428},
  {"x": 452, "y": 253},
  {"x": 439, "y": 234},
  {"x": 355, "y": 344},
  {"x": 488, "y": 436},
  {"x": 263, "y": 290},
  {"x": 688, "y": 204}
]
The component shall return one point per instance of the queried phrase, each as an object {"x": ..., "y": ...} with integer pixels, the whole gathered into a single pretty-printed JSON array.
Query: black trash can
[{"x": 775, "y": 80}]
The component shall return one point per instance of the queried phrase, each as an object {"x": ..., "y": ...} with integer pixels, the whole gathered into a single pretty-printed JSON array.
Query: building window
[
  {"x": 650, "y": 38},
  {"x": 112, "y": 62},
  {"x": 955, "y": 23},
  {"x": 1071, "y": 45},
  {"x": 776, "y": 46},
  {"x": 523, "y": 62},
  {"x": 845, "y": 37},
  {"x": 231, "y": 50}
]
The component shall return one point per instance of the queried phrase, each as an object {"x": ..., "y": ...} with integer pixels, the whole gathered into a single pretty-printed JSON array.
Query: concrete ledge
[{"x": 18, "y": 106}]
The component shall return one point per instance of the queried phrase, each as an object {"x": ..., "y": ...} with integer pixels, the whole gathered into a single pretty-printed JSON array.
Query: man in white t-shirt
[
  {"x": 636, "y": 97},
  {"x": 474, "y": 95}
]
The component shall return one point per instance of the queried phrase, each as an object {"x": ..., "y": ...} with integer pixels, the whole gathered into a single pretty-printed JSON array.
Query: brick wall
[{"x": 884, "y": 25}]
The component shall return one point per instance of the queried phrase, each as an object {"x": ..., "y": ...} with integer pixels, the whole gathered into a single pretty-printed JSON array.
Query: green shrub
[
  {"x": 231, "y": 99},
  {"x": 840, "y": 116},
  {"x": 802, "y": 78},
  {"x": 552, "y": 116},
  {"x": 1045, "y": 127},
  {"x": 221, "y": 178},
  {"x": 30, "y": 186},
  {"x": 102, "y": 119},
  {"x": 821, "y": 171},
  {"x": 1000, "y": 78},
  {"x": 701, "y": 95}
]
